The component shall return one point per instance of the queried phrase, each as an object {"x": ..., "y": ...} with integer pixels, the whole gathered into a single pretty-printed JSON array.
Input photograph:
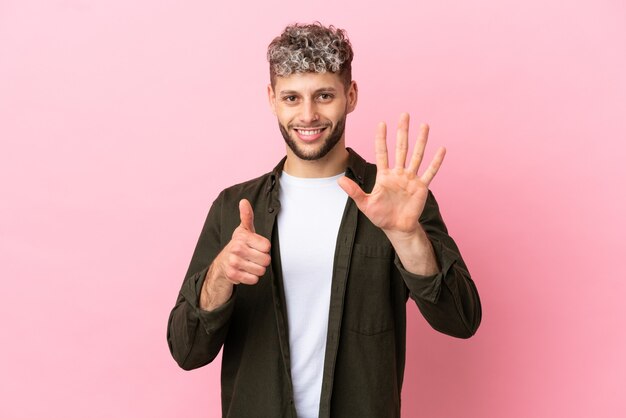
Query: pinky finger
[
  {"x": 433, "y": 168},
  {"x": 247, "y": 278},
  {"x": 237, "y": 276}
]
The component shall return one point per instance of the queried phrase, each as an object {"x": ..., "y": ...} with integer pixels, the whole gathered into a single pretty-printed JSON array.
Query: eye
[
  {"x": 325, "y": 97},
  {"x": 290, "y": 99}
]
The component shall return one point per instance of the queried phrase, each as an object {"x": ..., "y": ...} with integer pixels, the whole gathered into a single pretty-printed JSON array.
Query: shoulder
[
  {"x": 252, "y": 189},
  {"x": 251, "y": 184}
]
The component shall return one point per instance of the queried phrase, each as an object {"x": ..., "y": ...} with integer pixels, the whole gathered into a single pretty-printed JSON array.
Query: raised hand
[
  {"x": 399, "y": 194},
  {"x": 397, "y": 200},
  {"x": 242, "y": 261}
]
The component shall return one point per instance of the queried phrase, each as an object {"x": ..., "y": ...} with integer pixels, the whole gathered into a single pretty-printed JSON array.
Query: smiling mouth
[{"x": 310, "y": 134}]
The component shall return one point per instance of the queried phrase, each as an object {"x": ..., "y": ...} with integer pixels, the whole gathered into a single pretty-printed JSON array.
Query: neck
[{"x": 333, "y": 163}]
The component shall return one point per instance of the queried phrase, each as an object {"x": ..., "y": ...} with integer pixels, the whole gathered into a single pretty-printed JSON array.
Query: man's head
[
  {"x": 311, "y": 49},
  {"x": 311, "y": 89}
]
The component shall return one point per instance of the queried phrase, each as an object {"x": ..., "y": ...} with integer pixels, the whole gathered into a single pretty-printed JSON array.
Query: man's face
[{"x": 311, "y": 109}]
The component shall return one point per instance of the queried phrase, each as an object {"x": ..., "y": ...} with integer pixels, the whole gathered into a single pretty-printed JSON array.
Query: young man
[{"x": 302, "y": 275}]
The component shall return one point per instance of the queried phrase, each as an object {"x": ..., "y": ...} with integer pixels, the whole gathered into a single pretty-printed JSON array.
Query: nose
[{"x": 309, "y": 112}]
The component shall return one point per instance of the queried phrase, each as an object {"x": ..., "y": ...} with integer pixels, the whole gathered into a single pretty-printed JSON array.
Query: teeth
[{"x": 308, "y": 133}]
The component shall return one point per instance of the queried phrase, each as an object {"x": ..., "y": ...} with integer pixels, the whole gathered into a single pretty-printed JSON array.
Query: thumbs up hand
[
  {"x": 242, "y": 261},
  {"x": 246, "y": 215}
]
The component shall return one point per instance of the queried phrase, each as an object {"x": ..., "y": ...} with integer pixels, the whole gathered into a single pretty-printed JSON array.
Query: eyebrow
[{"x": 320, "y": 90}]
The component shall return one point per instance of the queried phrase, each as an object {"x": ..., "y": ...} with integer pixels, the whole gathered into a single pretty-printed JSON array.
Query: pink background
[{"x": 121, "y": 120}]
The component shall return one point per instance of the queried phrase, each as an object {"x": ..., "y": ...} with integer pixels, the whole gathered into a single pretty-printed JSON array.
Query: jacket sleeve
[
  {"x": 448, "y": 300},
  {"x": 195, "y": 336}
]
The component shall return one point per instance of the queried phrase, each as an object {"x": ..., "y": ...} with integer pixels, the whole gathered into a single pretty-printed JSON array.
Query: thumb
[
  {"x": 353, "y": 190},
  {"x": 246, "y": 215}
]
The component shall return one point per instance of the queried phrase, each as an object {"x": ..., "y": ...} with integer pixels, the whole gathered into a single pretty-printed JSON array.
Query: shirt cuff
[
  {"x": 428, "y": 287},
  {"x": 218, "y": 317},
  {"x": 213, "y": 320}
]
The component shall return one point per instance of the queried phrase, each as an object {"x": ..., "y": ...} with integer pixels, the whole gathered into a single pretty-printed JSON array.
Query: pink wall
[{"x": 121, "y": 120}]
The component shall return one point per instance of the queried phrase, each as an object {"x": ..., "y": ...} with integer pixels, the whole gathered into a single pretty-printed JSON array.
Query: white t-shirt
[{"x": 308, "y": 224}]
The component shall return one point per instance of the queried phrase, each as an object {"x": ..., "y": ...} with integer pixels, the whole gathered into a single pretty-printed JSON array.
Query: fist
[{"x": 246, "y": 257}]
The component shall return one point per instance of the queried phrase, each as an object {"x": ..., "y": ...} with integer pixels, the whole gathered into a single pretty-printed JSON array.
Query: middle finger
[{"x": 402, "y": 141}]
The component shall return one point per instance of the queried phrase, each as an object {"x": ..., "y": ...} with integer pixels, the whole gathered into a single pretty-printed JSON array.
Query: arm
[
  {"x": 198, "y": 324},
  {"x": 428, "y": 259},
  {"x": 194, "y": 336},
  {"x": 448, "y": 299}
]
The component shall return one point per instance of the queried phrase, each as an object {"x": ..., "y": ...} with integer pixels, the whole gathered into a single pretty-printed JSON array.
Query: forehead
[{"x": 308, "y": 82}]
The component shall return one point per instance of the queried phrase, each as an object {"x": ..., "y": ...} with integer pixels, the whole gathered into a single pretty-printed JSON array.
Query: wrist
[
  {"x": 415, "y": 251},
  {"x": 216, "y": 290},
  {"x": 411, "y": 239}
]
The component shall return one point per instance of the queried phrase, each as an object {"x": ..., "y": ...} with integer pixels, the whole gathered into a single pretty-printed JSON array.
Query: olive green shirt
[{"x": 366, "y": 342}]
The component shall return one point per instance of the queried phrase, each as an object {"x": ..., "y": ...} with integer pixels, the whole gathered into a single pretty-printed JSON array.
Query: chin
[
  {"x": 317, "y": 150},
  {"x": 308, "y": 154}
]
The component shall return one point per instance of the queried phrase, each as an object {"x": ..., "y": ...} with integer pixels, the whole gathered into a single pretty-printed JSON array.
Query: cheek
[
  {"x": 284, "y": 113},
  {"x": 339, "y": 112},
  {"x": 284, "y": 118}
]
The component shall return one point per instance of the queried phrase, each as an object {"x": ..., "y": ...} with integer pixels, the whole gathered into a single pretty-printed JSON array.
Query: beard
[{"x": 329, "y": 142}]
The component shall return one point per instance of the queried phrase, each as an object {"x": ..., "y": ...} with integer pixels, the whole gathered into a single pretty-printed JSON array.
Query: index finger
[{"x": 257, "y": 242}]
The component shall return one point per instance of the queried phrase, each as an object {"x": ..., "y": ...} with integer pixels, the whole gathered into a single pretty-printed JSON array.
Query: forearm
[
  {"x": 448, "y": 300},
  {"x": 415, "y": 251},
  {"x": 195, "y": 336},
  {"x": 216, "y": 289},
  {"x": 447, "y": 297}
]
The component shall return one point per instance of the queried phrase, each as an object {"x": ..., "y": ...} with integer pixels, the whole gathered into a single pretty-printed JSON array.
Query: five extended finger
[
  {"x": 418, "y": 150},
  {"x": 353, "y": 190},
  {"x": 380, "y": 147},
  {"x": 432, "y": 169},
  {"x": 402, "y": 141}
]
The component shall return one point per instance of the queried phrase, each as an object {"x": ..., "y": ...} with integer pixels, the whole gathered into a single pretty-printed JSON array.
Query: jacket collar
[{"x": 355, "y": 170}]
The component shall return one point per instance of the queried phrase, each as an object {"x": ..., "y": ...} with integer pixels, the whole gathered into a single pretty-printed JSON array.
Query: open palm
[{"x": 399, "y": 194}]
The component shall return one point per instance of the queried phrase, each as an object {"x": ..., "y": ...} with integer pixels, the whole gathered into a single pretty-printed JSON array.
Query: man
[{"x": 303, "y": 274}]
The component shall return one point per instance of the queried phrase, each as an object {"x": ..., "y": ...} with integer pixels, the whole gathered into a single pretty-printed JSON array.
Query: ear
[
  {"x": 271, "y": 97},
  {"x": 352, "y": 96}
]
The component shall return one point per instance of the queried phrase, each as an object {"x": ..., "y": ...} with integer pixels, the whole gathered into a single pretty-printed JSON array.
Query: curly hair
[{"x": 311, "y": 48}]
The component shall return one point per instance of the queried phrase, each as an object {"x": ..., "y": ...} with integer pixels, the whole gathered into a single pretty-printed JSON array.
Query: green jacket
[{"x": 365, "y": 349}]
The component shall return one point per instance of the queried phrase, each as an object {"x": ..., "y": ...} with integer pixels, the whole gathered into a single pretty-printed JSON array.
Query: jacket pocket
[{"x": 367, "y": 307}]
